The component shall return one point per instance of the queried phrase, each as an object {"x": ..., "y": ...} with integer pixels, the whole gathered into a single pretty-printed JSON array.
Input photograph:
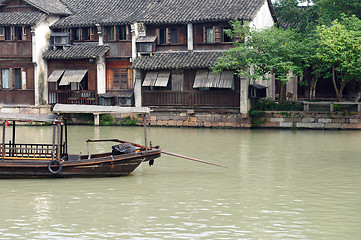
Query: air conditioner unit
[{"x": 125, "y": 99}]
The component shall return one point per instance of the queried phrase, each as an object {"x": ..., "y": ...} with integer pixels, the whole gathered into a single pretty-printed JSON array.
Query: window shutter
[
  {"x": 217, "y": 34},
  {"x": 168, "y": 31},
  {"x": 204, "y": 34},
  {"x": 130, "y": 79},
  {"x": 158, "y": 35},
  {"x": 109, "y": 79}
]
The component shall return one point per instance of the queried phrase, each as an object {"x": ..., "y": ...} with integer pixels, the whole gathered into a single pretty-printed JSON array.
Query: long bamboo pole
[
  {"x": 192, "y": 159},
  {"x": 165, "y": 152}
]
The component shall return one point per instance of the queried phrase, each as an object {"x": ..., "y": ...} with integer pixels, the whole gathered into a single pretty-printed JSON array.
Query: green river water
[{"x": 279, "y": 185}]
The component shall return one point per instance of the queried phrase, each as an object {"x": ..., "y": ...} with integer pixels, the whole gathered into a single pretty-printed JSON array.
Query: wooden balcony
[
  {"x": 17, "y": 97},
  {"x": 191, "y": 99},
  {"x": 82, "y": 97}
]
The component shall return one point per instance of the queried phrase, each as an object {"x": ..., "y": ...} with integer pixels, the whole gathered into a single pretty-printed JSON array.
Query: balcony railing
[
  {"x": 191, "y": 99},
  {"x": 83, "y": 97}
]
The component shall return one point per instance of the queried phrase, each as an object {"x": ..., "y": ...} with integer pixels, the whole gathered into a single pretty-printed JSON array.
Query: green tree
[
  {"x": 338, "y": 52},
  {"x": 267, "y": 51}
]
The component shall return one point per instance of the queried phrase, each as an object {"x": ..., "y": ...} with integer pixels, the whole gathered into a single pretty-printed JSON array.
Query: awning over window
[
  {"x": 201, "y": 79},
  {"x": 226, "y": 80},
  {"x": 72, "y": 76},
  {"x": 209, "y": 79},
  {"x": 162, "y": 79},
  {"x": 150, "y": 79},
  {"x": 157, "y": 79},
  {"x": 55, "y": 75}
]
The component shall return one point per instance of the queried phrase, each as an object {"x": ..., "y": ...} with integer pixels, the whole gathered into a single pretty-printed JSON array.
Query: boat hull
[{"x": 100, "y": 165}]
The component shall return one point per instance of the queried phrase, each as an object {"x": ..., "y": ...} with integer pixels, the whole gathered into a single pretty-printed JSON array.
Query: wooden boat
[{"x": 52, "y": 160}]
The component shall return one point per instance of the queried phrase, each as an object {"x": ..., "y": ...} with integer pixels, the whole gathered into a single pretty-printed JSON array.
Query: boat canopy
[
  {"x": 25, "y": 117},
  {"x": 73, "y": 108}
]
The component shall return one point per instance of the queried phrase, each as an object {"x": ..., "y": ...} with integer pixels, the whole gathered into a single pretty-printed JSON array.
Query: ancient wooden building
[{"x": 140, "y": 52}]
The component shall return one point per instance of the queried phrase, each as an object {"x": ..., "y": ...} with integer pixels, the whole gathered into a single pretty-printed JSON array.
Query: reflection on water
[{"x": 279, "y": 185}]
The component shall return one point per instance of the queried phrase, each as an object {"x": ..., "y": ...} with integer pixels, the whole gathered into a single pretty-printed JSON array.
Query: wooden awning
[
  {"x": 208, "y": 79},
  {"x": 162, "y": 79},
  {"x": 226, "y": 80},
  {"x": 150, "y": 79},
  {"x": 201, "y": 79},
  {"x": 72, "y": 76},
  {"x": 55, "y": 75}
]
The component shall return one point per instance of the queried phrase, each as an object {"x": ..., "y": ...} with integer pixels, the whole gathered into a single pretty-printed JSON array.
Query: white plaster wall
[
  {"x": 40, "y": 42},
  {"x": 138, "y": 29},
  {"x": 101, "y": 75},
  {"x": 263, "y": 18}
]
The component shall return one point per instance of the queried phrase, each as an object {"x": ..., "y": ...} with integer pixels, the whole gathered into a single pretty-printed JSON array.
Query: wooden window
[
  {"x": 85, "y": 33},
  {"x": 92, "y": 31},
  {"x": 8, "y": 33},
  {"x": 75, "y": 34},
  {"x": 209, "y": 35},
  {"x": 117, "y": 79},
  {"x": 173, "y": 35},
  {"x": 2, "y": 31},
  {"x": 17, "y": 78},
  {"x": 122, "y": 32},
  {"x": 110, "y": 33},
  {"x": 162, "y": 36},
  {"x": 18, "y": 33},
  {"x": 5, "y": 78},
  {"x": 225, "y": 37}
]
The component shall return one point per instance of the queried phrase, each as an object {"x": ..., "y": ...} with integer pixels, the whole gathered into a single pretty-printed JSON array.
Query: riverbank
[{"x": 211, "y": 118}]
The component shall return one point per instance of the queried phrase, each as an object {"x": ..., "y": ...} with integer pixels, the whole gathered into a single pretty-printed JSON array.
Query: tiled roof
[
  {"x": 20, "y": 18},
  {"x": 50, "y": 7},
  {"x": 176, "y": 60},
  {"x": 106, "y": 12},
  {"x": 77, "y": 51},
  {"x": 185, "y": 11}
]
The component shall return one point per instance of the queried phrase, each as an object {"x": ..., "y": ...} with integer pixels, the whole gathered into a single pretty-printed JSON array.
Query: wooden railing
[
  {"x": 191, "y": 99},
  {"x": 31, "y": 150},
  {"x": 83, "y": 97}
]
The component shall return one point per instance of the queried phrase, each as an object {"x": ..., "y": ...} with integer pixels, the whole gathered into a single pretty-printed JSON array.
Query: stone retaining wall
[
  {"x": 311, "y": 120},
  {"x": 191, "y": 118}
]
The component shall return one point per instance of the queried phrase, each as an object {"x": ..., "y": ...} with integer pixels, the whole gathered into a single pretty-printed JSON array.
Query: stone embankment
[
  {"x": 310, "y": 120},
  {"x": 229, "y": 119},
  {"x": 207, "y": 119}
]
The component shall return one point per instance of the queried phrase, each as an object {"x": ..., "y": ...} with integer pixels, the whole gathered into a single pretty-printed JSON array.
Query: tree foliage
[
  {"x": 338, "y": 52},
  {"x": 271, "y": 50}
]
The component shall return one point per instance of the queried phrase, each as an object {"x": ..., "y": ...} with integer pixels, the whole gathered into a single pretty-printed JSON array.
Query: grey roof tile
[
  {"x": 91, "y": 12},
  {"x": 176, "y": 60},
  {"x": 56, "y": 7},
  {"x": 77, "y": 51},
  {"x": 20, "y": 18},
  {"x": 50, "y": 7}
]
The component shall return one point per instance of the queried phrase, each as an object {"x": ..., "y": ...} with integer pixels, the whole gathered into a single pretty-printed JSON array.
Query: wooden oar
[
  {"x": 169, "y": 153},
  {"x": 192, "y": 159}
]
